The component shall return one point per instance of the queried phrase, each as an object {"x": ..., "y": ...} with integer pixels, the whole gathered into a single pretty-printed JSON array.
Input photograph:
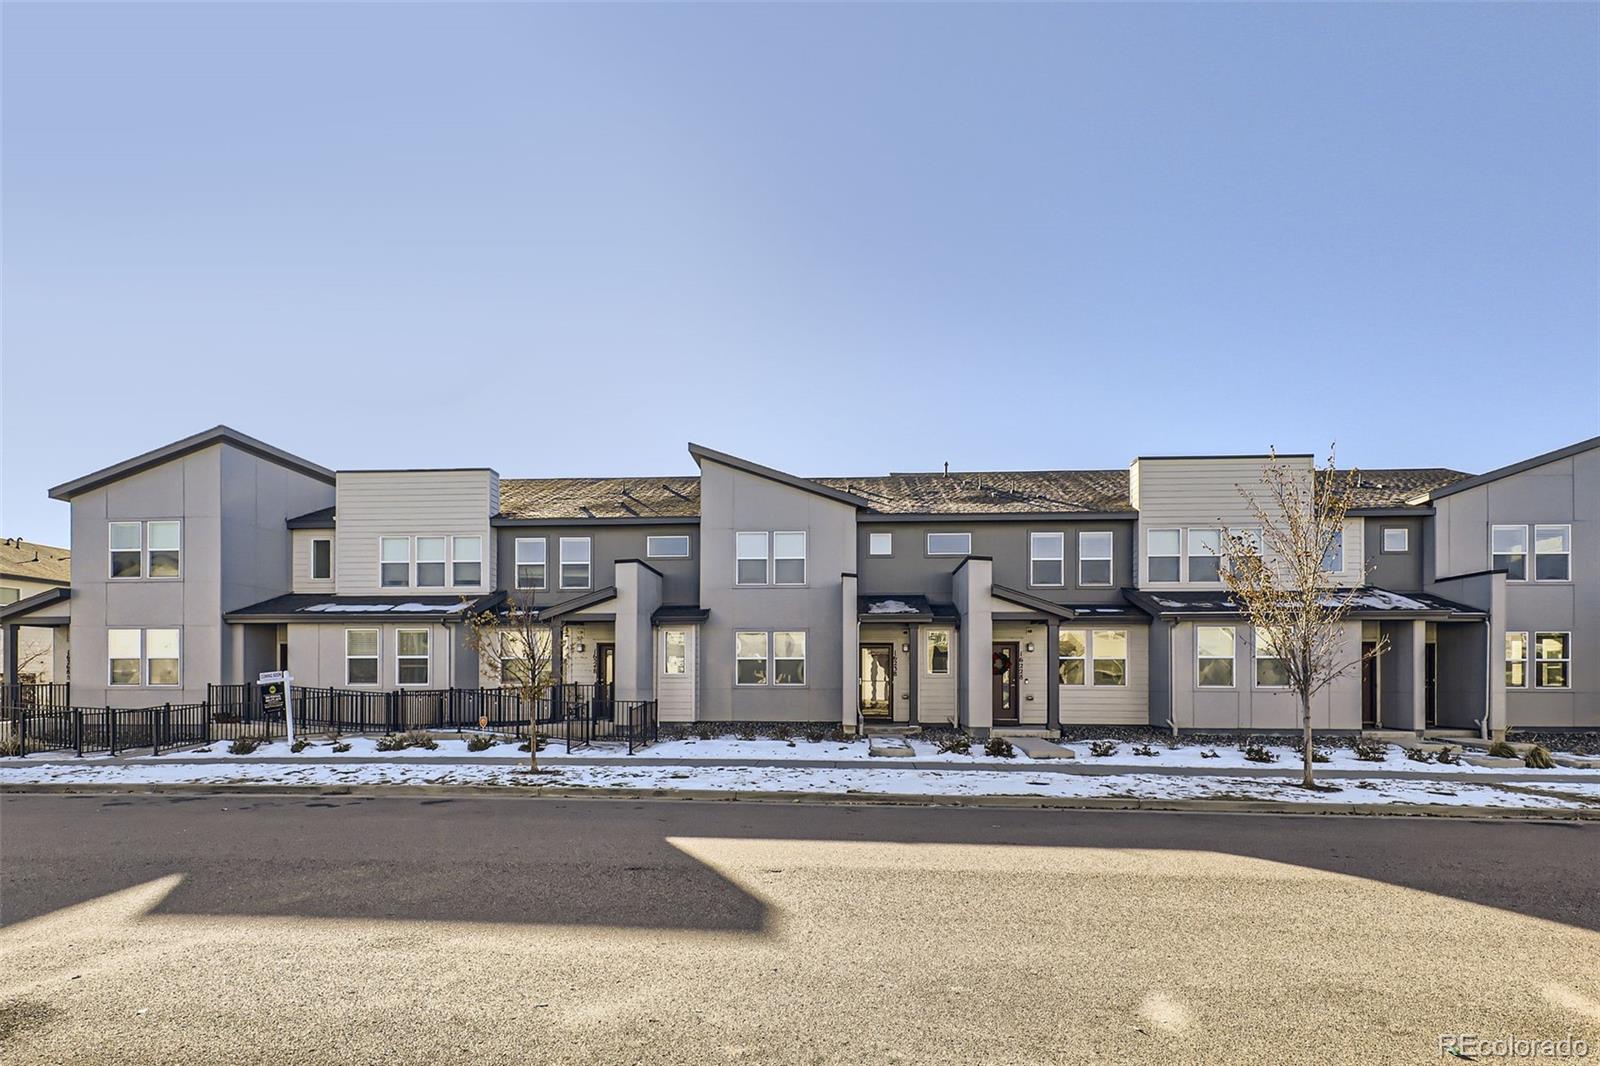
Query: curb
[{"x": 1101, "y": 803}]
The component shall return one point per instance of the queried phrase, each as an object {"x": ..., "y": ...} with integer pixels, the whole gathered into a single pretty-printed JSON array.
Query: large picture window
[
  {"x": 1094, "y": 558},
  {"x": 788, "y": 558},
  {"x": 1509, "y": 545},
  {"x": 361, "y": 656},
  {"x": 1552, "y": 553},
  {"x": 151, "y": 657},
  {"x": 411, "y": 657},
  {"x": 1213, "y": 649},
  {"x": 1552, "y": 654},
  {"x": 575, "y": 563},
  {"x": 530, "y": 559},
  {"x": 751, "y": 561},
  {"x": 1046, "y": 553}
]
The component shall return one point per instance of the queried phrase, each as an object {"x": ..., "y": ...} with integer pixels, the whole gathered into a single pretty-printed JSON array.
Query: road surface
[{"x": 299, "y": 929}]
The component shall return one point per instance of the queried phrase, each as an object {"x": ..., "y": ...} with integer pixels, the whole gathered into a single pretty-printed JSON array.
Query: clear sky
[{"x": 565, "y": 240}]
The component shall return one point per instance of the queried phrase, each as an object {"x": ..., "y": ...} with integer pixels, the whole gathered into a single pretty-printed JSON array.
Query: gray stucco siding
[
  {"x": 1396, "y": 571},
  {"x": 607, "y": 545}
]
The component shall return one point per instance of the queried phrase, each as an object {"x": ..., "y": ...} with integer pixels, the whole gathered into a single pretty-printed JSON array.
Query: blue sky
[{"x": 564, "y": 240}]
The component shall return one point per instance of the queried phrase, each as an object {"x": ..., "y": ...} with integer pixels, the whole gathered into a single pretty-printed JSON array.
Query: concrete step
[
  {"x": 887, "y": 747},
  {"x": 895, "y": 729},
  {"x": 1012, "y": 732},
  {"x": 1039, "y": 748}
]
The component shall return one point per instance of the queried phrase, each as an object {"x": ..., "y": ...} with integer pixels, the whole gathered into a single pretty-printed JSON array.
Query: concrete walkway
[{"x": 994, "y": 765}]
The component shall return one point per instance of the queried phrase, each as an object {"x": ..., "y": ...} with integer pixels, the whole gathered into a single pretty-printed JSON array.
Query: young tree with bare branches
[
  {"x": 513, "y": 637},
  {"x": 1278, "y": 574}
]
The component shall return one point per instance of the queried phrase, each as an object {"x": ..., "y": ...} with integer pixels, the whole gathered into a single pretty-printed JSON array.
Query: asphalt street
[{"x": 301, "y": 929}]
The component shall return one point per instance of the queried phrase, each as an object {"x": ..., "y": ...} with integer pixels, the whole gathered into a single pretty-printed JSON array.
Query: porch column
[
  {"x": 558, "y": 666},
  {"x": 11, "y": 635},
  {"x": 638, "y": 596},
  {"x": 849, "y": 652},
  {"x": 914, "y": 661},
  {"x": 1419, "y": 674},
  {"x": 972, "y": 585},
  {"x": 1052, "y": 678}
]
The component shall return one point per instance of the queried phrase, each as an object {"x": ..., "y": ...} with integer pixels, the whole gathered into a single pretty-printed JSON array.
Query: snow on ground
[{"x": 874, "y": 781}]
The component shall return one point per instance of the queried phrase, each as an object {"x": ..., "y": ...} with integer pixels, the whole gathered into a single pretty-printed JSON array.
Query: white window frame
[
  {"x": 666, "y": 656},
  {"x": 1189, "y": 554},
  {"x": 376, "y": 657},
  {"x": 543, "y": 564},
  {"x": 111, "y": 553},
  {"x": 137, "y": 657},
  {"x": 875, "y": 539},
  {"x": 656, "y": 547},
  {"x": 148, "y": 573},
  {"x": 1232, "y": 659},
  {"x": 765, "y": 557},
  {"x": 940, "y": 554},
  {"x": 1045, "y": 537},
  {"x": 766, "y": 637},
  {"x": 1523, "y": 661},
  {"x": 410, "y": 556},
  {"x": 1110, "y": 558},
  {"x": 772, "y": 650},
  {"x": 588, "y": 564},
  {"x": 1257, "y": 638},
  {"x": 1526, "y": 553},
  {"x": 1405, "y": 540},
  {"x": 1149, "y": 535},
  {"x": 457, "y": 561},
  {"x": 949, "y": 652},
  {"x": 1083, "y": 659},
  {"x": 1533, "y": 547},
  {"x": 146, "y": 657},
  {"x": 311, "y": 559},
  {"x": 443, "y": 562},
  {"x": 426, "y": 657},
  {"x": 805, "y": 549},
  {"x": 1336, "y": 545},
  {"x": 1565, "y": 660},
  {"x": 1094, "y": 657}
]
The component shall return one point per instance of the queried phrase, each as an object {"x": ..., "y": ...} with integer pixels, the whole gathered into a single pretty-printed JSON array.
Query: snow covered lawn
[{"x": 879, "y": 780}]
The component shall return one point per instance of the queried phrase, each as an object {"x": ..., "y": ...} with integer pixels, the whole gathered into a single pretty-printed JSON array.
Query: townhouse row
[{"x": 1027, "y": 601}]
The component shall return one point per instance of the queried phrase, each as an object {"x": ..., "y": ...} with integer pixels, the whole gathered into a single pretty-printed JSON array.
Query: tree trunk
[
  {"x": 533, "y": 738},
  {"x": 1305, "y": 720}
]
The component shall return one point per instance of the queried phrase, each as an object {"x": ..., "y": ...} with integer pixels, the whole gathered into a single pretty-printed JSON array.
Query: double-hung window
[
  {"x": 1509, "y": 545},
  {"x": 146, "y": 549},
  {"x": 530, "y": 562},
  {"x": 949, "y": 543},
  {"x": 361, "y": 656},
  {"x": 674, "y": 547},
  {"x": 1552, "y": 656},
  {"x": 1333, "y": 554},
  {"x": 411, "y": 657},
  {"x": 322, "y": 559},
  {"x": 1552, "y": 553},
  {"x": 1213, "y": 649},
  {"x": 466, "y": 561},
  {"x": 750, "y": 656},
  {"x": 1094, "y": 558},
  {"x": 394, "y": 562},
  {"x": 1205, "y": 555},
  {"x": 674, "y": 652},
  {"x": 125, "y": 652},
  {"x": 1109, "y": 654},
  {"x": 430, "y": 562},
  {"x": 1164, "y": 555},
  {"x": 938, "y": 651},
  {"x": 788, "y": 559},
  {"x": 1270, "y": 669},
  {"x": 150, "y": 657},
  {"x": 575, "y": 562},
  {"x": 1517, "y": 660},
  {"x": 788, "y": 658},
  {"x": 1073, "y": 657},
  {"x": 1046, "y": 552},
  {"x": 751, "y": 562},
  {"x": 164, "y": 542},
  {"x": 127, "y": 553}
]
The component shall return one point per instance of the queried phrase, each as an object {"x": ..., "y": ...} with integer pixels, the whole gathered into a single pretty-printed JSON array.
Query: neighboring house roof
[
  {"x": 1395, "y": 488},
  {"x": 992, "y": 492},
  {"x": 49, "y": 597},
  {"x": 322, "y": 518},
  {"x": 311, "y": 607},
  {"x": 1464, "y": 483},
  {"x": 178, "y": 449},
  {"x": 35, "y": 562},
  {"x": 668, "y": 613},
  {"x": 905, "y": 609},
  {"x": 588, "y": 498},
  {"x": 1370, "y": 602}
]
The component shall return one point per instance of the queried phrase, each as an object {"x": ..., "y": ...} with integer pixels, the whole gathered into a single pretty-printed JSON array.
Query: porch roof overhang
[
  {"x": 1367, "y": 603},
  {"x": 1032, "y": 605},
  {"x": 679, "y": 614},
  {"x": 560, "y": 611},
  {"x": 36, "y": 610},
  {"x": 325, "y": 609},
  {"x": 899, "y": 610}
]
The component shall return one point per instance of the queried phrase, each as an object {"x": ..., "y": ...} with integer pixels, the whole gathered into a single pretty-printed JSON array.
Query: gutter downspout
[{"x": 1488, "y": 679}]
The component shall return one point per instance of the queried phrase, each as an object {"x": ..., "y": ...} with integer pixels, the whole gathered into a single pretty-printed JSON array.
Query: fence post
[
  {"x": 111, "y": 729},
  {"x": 77, "y": 731},
  {"x": 166, "y": 728}
]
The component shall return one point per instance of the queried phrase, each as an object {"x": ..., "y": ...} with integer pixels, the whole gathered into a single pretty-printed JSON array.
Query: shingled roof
[
  {"x": 956, "y": 493},
  {"x": 35, "y": 562}
]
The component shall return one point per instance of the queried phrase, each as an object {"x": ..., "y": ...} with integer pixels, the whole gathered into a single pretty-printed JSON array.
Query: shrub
[
  {"x": 999, "y": 748},
  {"x": 543, "y": 742},
  {"x": 10, "y": 746},
  {"x": 746, "y": 732},
  {"x": 1318, "y": 755},
  {"x": 783, "y": 732},
  {"x": 1256, "y": 751},
  {"x": 300, "y": 744},
  {"x": 1369, "y": 750},
  {"x": 1101, "y": 749},
  {"x": 392, "y": 742},
  {"x": 1447, "y": 755},
  {"x": 1418, "y": 755},
  {"x": 1538, "y": 758},
  {"x": 244, "y": 745},
  {"x": 420, "y": 738},
  {"x": 816, "y": 734},
  {"x": 956, "y": 744},
  {"x": 1145, "y": 750},
  {"x": 480, "y": 743},
  {"x": 704, "y": 731},
  {"x": 1210, "y": 753},
  {"x": 341, "y": 747},
  {"x": 1501, "y": 750}
]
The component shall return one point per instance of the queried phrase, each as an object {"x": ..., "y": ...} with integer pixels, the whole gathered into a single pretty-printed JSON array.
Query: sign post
[{"x": 276, "y": 696}]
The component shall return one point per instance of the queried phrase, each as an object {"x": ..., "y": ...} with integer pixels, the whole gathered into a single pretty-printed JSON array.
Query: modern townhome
[
  {"x": 32, "y": 654},
  {"x": 1022, "y": 601}
]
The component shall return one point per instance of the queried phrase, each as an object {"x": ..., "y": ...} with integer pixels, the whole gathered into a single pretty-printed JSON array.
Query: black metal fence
[
  {"x": 35, "y": 696},
  {"x": 574, "y": 714}
]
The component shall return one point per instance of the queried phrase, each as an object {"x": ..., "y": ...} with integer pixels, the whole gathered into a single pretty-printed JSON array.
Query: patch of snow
[
  {"x": 382, "y": 608},
  {"x": 890, "y": 607}
]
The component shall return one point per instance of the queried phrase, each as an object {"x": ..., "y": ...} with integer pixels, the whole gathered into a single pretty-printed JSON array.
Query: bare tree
[
  {"x": 515, "y": 639},
  {"x": 1278, "y": 574}
]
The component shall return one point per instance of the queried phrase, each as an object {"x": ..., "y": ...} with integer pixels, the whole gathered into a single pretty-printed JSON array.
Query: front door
[
  {"x": 1369, "y": 685},
  {"x": 1430, "y": 678},
  {"x": 877, "y": 680},
  {"x": 605, "y": 677},
  {"x": 1006, "y": 667}
]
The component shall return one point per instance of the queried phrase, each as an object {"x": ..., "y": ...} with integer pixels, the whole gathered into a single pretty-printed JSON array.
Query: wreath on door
[{"x": 1002, "y": 662}]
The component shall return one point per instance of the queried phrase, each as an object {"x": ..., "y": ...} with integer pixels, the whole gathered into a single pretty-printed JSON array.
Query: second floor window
[
  {"x": 676, "y": 547},
  {"x": 949, "y": 543},
  {"x": 146, "y": 549},
  {"x": 530, "y": 559},
  {"x": 394, "y": 562},
  {"x": 1165, "y": 555},
  {"x": 1509, "y": 545},
  {"x": 1396, "y": 539},
  {"x": 466, "y": 561},
  {"x": 1094, "y": 558},
  {"x": 1045, "y": 558},
  {"x": 1552, "y": 553},
  {"x": 788, "y": 559},
  {"x": 1205, "y": 555},
  {"x": 430, "y": 562},
  {"x": 321, "y": 559},
  {"x": 880, "y": 543},
  {"x": 127, "y": 550},
  {"x": 575, "y": 563},
  {"x": 164, "y": 541},
  {"x": 751, "y": 559},
  {"x": 1333, "y": 556}
]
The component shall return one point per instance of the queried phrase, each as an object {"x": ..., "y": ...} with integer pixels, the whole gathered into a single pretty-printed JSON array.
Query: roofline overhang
[
  {"x": 35, "y": 578},
  {"x": 486, "y": 602},
  {"x": 1514, "y": 468},
  {"x": 926, "y": 517},
  {"x": 577, "y": 603},
  {"x": 702, "y": 454},
  {"x": 652, "y": 520},
  {"x": 1397, "y": 511},
  {"x": 188, "y": 445},
  {"x": 47, "y": 598},
  {"x": 1018, "y": 598}
]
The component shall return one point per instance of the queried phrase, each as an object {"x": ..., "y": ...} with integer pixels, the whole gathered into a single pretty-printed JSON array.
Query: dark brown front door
[
  {"x": 1369, "y": 686},
  {"x": 1007, "y": 664},
  {"x": 605, "y": 677},
  {"x": 1430, "y": 683},
  {"x": 877, "y": 680}
]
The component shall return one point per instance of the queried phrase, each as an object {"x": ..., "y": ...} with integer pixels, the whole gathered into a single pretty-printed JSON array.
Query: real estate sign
[{"x": 276, "y": 698}]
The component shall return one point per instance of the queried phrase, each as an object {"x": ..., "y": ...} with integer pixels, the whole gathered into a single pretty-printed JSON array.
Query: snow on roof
[
  {"x": 891, "y": 607},
  {"x": 382, "y": 608}
]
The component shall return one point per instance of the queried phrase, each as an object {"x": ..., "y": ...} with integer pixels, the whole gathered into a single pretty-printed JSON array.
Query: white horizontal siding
[
  {"x": 408, "y": 503},
  {"x": 1113, "y": 704},
  {"x": 675, "y": 693},
  {"x": 936, "y": 693},
  {"x": 302, "y": 580},
  {"x": 1033, "y": 696}
]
